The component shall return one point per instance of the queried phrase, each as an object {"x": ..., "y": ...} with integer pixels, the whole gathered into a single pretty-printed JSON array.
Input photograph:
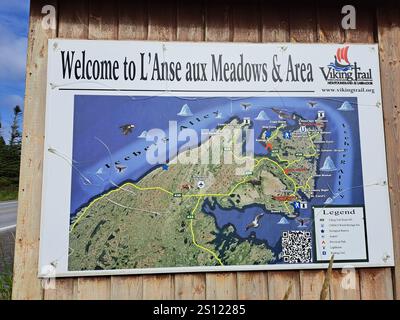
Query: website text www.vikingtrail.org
[{"x": 350, "y": 90}]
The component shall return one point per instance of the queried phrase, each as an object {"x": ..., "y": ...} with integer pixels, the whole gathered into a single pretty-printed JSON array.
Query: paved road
[
  {"x": 8, "y": 214},
  {"x": 8, "y": 218}
]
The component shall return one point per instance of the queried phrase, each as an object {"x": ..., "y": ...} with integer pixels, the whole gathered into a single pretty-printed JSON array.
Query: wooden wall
[{"x": 252, "y": 21}]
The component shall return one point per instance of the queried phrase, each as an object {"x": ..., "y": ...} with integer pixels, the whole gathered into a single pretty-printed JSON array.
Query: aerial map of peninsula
[{"x": 196, "y": 181}]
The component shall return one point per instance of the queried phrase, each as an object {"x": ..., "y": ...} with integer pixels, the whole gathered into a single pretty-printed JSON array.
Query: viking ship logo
[
  {"x": 341, "y": 71},
  {"x": 341, "y": 60}
]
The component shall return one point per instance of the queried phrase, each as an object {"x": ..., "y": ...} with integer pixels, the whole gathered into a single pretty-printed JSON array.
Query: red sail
[
  {"x": 338, "y": 54},
  {"x": 341, "y": 54},
  {"x": 344, "y": 53}
]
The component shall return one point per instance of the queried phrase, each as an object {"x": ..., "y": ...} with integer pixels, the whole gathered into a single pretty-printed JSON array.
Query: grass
[
  {"x": 6, "y": 278},
  {"x": 9, "y": 193},
  {"x": 5, "y": 284}
]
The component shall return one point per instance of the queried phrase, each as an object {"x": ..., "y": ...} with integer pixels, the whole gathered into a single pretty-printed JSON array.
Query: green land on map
[{"x": 158, "y": 221}]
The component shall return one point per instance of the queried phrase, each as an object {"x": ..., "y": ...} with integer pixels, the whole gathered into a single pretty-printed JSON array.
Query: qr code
[{"x": 296, "y": 246}]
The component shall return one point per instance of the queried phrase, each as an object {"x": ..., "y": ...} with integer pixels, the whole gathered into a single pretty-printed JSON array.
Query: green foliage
[
  {"x": 6, "y": 285},
  {"x": 9, "y": 171},
  {"x": 10, "y": 160},
  {"x": 9, "y": 194},
  {"x": 10, "y": 155},
  {"x": 15, "y": 139}
]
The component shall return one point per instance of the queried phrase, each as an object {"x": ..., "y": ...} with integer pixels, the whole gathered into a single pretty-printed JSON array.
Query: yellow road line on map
[
  {"x": 258, "y": 162},
  {"x": 312, "y": 146},
  {"x": 79, "y": 218},
  {"x": 283, "y": 170},
  {"x": 275, "y": 132},
  {"x": 194, "y": 238}
]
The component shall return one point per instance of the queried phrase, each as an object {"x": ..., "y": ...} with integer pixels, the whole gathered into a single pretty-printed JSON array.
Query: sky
[{"x": 14, "y": 19}]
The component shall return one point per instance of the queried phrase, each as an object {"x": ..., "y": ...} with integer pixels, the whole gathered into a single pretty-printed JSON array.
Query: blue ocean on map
[{"x": 111, "y": 136}]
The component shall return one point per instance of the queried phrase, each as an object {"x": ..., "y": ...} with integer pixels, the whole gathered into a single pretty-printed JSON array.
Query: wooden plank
[
  {"x": 190, "y": 286},
  {"x": 328, "y": 29},
  {"x": 190, "y": 21},
  {"x": 132, "y": 17},
  {"x": 275, "y": 27},
  {"x": 103, "y": 20},
  {"x": 345, "y": 285},
  {"x": 221, "y": 286},
  {"x": 73, "y": 24},
  {"x": 162, "y": 27},
  {"x": 302, "y": 22},
  {"x": 252, "y": 285},
  {"x": 93, "y": 288},
  {"x": 126, "y": 287},
  {"x": 364, "y": 32},
  {"x": 102, "y": 25},
  {"x": 388, "y": 24},
  {"x": 133, "y": 20},
  {"x": 246, "y": 21},
  {"x": 63, "y": 290},
  {"x": 217, "y": 21},
  {"x": 26, "y": 283},
  {"x": 190, "y": 27},
  {"x": 302, "y": 27},
  {"x": 329, "y": 19},
  {"x": 162, "y": 20},
  {"x": 247, "y": 28},
  {"x": 376, "y": 284},
  {"x": 279, "y": 283},
  {"x": 311, "y": 282},
  {"x": 158, "y": 287},
  {"x": 274, "y": 22},
  {"x": 218, "y": 28},
  {"x": 73, "y": 19}
]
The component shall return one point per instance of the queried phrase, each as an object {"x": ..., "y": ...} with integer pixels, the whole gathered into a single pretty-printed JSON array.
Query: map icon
[
  {"x": 346, "y": 106},
  {"x": 328, "y": 200},
  {"x": 201, "y": 184},
  {"x": 219, "y": 115},
  {"x": 283, "y": 221},
  {"x": 185, "y": 111},
  {"x": 328, "y": 166},
  {"x": 262, "y": 116}
]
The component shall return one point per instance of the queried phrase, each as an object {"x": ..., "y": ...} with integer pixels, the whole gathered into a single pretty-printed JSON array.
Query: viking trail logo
[
  {"x": 342, "y": 71},
  {"x": 341, "y": 60}
]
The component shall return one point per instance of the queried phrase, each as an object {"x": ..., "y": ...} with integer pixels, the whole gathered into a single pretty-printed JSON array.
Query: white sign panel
[{"x": 180, "y": 157}]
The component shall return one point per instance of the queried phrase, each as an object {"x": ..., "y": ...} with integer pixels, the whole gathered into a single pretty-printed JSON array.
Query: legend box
[{"x": 340, "y": 231}]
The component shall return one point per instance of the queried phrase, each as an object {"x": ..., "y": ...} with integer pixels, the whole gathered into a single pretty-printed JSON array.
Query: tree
[
  {"x": 15, "y": 138},
  {"x": 10, "y": 157},
  {"x": 2, "y": 141}
]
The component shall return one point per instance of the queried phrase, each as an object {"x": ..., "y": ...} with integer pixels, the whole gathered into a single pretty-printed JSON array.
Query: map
[{"x": 166, "y": 181}]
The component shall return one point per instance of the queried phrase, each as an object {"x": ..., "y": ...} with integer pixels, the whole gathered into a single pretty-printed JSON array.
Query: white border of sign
[{"x": 59, "y": 132}]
